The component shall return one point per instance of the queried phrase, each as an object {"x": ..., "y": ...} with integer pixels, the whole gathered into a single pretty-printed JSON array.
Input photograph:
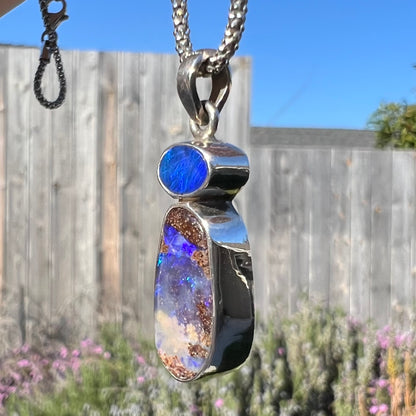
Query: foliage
[
  {"x": 317, "y": 362},
  {"x": 395, "y": 125}
]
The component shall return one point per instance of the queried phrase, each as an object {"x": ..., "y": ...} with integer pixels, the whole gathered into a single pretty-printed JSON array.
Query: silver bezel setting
[
  {"x": 231, "y": 285},
  {"x": 228, "y": 171}
]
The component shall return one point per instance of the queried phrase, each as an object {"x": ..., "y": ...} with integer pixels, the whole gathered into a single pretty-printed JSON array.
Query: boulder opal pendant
[{"x": 204, "y": 314}]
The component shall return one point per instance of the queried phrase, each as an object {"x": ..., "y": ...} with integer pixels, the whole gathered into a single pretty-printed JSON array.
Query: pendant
[{"x": 204, "y": 313}]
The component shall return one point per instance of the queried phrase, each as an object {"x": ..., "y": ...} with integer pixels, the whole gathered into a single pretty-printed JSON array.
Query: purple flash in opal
[
  {"x": 183, "y": 296},
  {"x": 183, "y": 170}
]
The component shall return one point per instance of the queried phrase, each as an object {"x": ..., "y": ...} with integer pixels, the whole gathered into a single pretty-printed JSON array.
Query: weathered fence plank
[
  {"x": 279, "y": 248},
  {"x": 300, "y": 216},
  {"x": 17, "y": 182},
  {"x": 62, "y": 188},
  {"x": 130, "y": 67},
  {"x": 258, "y": 209},
  {"x": 152, "y": 143},
  {"x": 381, "y": 178},
  {"x": 39, "y": 212},
  {"x": 86, "y": 181},
  {"x": 319, "y": 162},
  {"x": 340, "y": 228},
  {"x": 402, "y": 233},
  {"x": 108, "y": 156},
  {"x": 360, "y": 234}
]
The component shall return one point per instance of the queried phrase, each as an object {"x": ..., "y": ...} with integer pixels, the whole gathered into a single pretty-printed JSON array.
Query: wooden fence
[
  {"x": 336, "y": 221},
  {"x": 80, "y": 206},
  {"x": 81, "y": 209}
]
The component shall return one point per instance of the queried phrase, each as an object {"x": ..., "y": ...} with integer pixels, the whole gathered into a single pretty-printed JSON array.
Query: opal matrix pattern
[{"x": 183, "y": 296}]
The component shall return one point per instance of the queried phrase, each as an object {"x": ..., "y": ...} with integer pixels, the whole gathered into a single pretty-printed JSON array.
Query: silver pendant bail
[
  {"x": 189, "y": 70},
  {"x": 204, "y": 133}
]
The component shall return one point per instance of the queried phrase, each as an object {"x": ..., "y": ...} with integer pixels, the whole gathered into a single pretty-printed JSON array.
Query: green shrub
[
  {"x": 395, "y": 125},
  {"x": 317, "y": 362}
]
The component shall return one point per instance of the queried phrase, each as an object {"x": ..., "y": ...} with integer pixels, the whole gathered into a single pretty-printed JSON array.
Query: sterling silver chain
[{"x": 233, "y": 32}]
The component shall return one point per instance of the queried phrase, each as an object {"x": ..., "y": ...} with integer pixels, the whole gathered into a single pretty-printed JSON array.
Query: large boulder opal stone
[{"x": 183, "y": 296}]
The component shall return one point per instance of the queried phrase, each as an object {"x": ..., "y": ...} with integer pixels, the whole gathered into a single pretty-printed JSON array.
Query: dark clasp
[
  {"x": 52, "y": 21},
  {"x": 56, "y": 18}
]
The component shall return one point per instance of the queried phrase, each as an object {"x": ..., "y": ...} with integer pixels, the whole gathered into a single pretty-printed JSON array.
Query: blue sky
[{"x": 316, "y": 63}]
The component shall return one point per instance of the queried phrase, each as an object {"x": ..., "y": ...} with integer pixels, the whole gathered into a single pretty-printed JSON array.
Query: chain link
[
  {"x": 50, "y": 48},
  {"x": 229, "y": 45},
  {"x": 37, "y": 83}
]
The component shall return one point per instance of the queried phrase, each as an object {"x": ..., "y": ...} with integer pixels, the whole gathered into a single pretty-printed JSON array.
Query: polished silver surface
[
  {"x": 189, "y": 70},
  {"x": 228, "y": 171},
  {"x": 232, "y": 286},
  {"x": 206, "y": 133},
  {"x": 229, "y": 44}
]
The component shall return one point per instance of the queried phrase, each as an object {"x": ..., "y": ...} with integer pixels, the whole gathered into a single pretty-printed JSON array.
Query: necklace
[
  {"x": 51, "y": 21},
  {"x": 204, "y": 313}
]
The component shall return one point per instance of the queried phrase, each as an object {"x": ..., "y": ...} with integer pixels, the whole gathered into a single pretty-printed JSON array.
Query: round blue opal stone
[{"x": 183, "y": 170}]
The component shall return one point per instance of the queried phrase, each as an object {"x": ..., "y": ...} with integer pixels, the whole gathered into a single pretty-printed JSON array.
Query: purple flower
[
  {"x": 23, "y": 363},
  {"x": 382, "y": 383},
  {"x": 11, "y": 390},
  {"x": 353, "y": 322},
  {"x": 281, "y": 351},
  {"x": 219, "y": 403},
  {"x": 373, "y": 410},
  {"x": 107, "y": 355},
  {"x": 64, "y": 352},
  {"x": 140, "y": 359},
  {"x": 383, "y": 341},
  {"x": 86, "y": 343},
  {"x": 75, "y": 364},
  {"x": 98, "y": 350},
  {"x": 140, "y": 379},
  {"x": 59, "y": 366},
  {"x": 384, "y": 408},
  {"x": 16, "y": 376},
  {"x": 76, "y": 353},
  {"x": 401, "y": 339}
]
